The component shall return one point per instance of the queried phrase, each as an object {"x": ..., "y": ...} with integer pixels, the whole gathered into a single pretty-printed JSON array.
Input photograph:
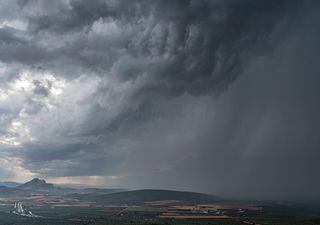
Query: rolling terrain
[
  {"x": 39, "y": 202},
  {"x": 146, "y": 195}
]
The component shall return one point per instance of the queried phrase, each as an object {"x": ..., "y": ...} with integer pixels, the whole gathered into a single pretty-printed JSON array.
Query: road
[{"x": 21, "y": 211}]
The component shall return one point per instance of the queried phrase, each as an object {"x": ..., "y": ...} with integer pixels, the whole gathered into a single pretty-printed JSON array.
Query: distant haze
[{"x": 217, "y": 96}]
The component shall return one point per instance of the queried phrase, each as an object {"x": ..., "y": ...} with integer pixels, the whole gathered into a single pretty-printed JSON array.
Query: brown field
[
  {"x": 240, "y": 206},
  {"x": 162, "y": 203},
  {"x": 196, "y": 207},
  {"x": 215, "y": 206},
  {"x": 181, "y": 216}
]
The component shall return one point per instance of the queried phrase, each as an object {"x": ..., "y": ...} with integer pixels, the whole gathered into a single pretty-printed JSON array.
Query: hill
[
  {"x": 39, "y": 186},
  {"x": 36, "y": 184},
  {"x": 9, "y": 192},
  {"x": 141, "y": 196},
  {"x": 9, "y": 184}
]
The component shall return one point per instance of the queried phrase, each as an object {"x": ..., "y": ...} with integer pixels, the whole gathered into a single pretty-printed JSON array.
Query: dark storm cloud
[
  {"x": 73, "y": 159},
  {"x": 211, "y": 39},
  {"x": 77, "y": 15},
  {"x": 258, "y": 139},
  {"x": 169, "y": 40},
  {"x": 198, "y": 95},
  {"x": 7, "y": 36}
]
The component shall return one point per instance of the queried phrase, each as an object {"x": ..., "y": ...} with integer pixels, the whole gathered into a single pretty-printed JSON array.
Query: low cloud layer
[{"x": 212, "y": 96}]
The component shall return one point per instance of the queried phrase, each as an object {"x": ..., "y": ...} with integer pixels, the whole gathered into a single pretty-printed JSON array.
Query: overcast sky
[{"x": 212, "y": 96}]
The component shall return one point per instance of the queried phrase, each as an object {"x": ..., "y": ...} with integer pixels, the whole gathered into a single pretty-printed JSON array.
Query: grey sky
[{"x": 213, "y": 96}]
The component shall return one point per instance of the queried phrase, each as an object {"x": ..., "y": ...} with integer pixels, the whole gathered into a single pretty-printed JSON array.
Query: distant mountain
[
  {"x": 9, "y": 184},
  {"x": 9, "y": 192},
  {"x": 141, "y": 196},
  {"x": 39, "y": 186},
  {"x": 105, "y": 196},
  {"x": 85, "y": 189},
  {"x": 36, "y": 184},
  {"x": 100, "y": 190}
]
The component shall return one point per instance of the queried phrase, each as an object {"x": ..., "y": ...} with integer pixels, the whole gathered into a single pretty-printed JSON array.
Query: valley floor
[{"x": 65, "y": 210}]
